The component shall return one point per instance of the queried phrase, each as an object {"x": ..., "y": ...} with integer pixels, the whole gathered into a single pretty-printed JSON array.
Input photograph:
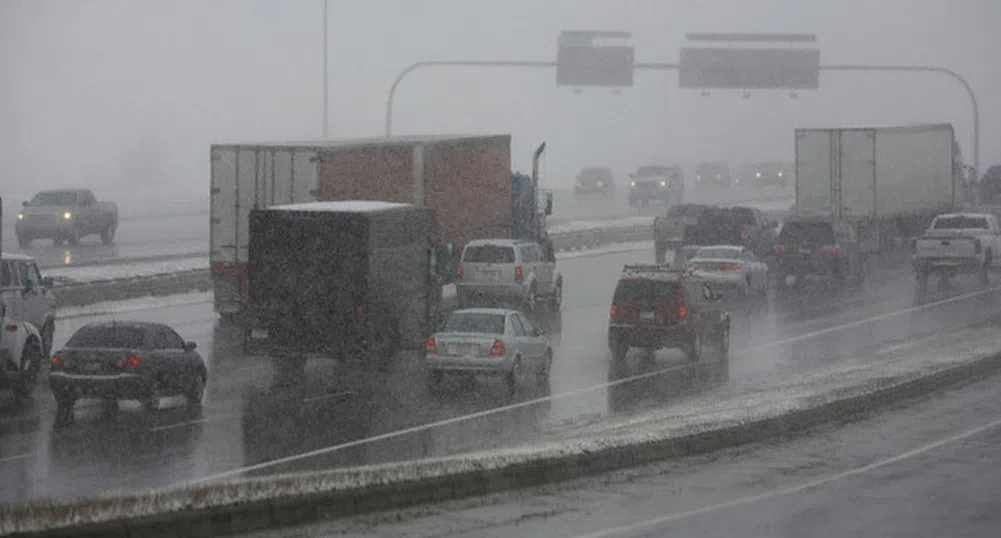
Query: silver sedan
[
  {"x": 732, "y": 267},
  {"x": 489, "y": 341}
]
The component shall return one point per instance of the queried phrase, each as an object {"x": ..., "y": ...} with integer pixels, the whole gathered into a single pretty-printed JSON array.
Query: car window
[
  {"x": 160, "y": 339},
  {"x": 645, "y": 290},
  {"x": 53, "y": 198},
  {"x": 173, "y": 339},
  {"x": 22, "y": 272},
  {"x": 109, "y": 336},
  {"x": 721, "y": 253},
  {"x": 961, "y": 222},
  {"x": 527, "y": 324},
  {"x": 807, "y": 232},
  {"x": 518, "y": 326},
  {"x": 529, "y": 254},
  {"x": 475, "y": 322},
  {"x": 34, "y": 279},
  {"x": 707, "y": 292},
  {"x": 8, "y": 278},
  {"x": 488, "y": 254}
]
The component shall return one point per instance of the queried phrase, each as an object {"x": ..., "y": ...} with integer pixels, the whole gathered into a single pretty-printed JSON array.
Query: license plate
[
  {"x": 804, "y": 251},
  {"x": 491, "y": 275},
  {"x": 459, "y": 349},
  {"x": 92, "y": 367},
  {"x": 259, "y": 334},
  {"x": 646, "y": 315}
]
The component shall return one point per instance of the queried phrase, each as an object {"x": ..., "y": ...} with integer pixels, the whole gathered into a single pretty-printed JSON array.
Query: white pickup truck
[{"x": 957, "y": 243}]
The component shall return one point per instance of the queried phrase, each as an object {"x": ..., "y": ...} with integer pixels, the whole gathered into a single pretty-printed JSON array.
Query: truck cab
[{"x": 66, "y": 215}]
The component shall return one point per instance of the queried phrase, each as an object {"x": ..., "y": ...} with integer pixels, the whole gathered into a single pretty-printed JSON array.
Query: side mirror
[
  {"x": 190, "y": 346},
  {"x": 48, "y": 281}
]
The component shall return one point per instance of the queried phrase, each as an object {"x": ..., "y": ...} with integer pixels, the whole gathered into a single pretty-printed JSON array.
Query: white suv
[
  {"x": 27, "y": 308},
  {"x": 494, "y": 271}
]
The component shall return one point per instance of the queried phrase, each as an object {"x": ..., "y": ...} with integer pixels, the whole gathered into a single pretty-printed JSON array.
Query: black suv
[
  {"x": 817, "y": 246},
  {"x": 657, "y": 307},
  {"x": 594, "y": 180}
]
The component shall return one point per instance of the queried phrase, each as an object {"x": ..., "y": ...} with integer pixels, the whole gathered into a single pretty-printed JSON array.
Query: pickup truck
[
  {"x": 957, "y": 243},
  {"x": 66, "y": 215}
]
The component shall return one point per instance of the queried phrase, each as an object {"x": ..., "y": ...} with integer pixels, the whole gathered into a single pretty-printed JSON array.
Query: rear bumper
[
  {"x": 474, "y": 292},
  {"x": 808, "y": 266},
  {"x": 656, "y": 337},
  {"x": 125, "y": 386},
  {"x": 469, "y": 365},
  {"x": 953, "y": 265}
]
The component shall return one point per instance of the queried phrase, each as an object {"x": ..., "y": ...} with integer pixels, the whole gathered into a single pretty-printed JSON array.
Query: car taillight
[
  {"x": 681, "y": 312},
  {"x": 129, "y": 363},
  {"x": 59, "y": 363},
  {"x": 432, "y": 347},
  {"x": 11, "y": 328},
  {"x": 730, "y": 267},
  {"x": 612, "y": 311},
  {"x": 977, "y": 247},
  {"x": 780, "y": 250},
  {"x": 359, "y": 313},
  {"x": 743, "y": 234},
  {"x": 517, "y": 273},
  {"x": 830, "y": 251},
  {"x": 689, "y": 267},
  {"x": 497, "y": 350},
  {"x": 458, "y": 272}
]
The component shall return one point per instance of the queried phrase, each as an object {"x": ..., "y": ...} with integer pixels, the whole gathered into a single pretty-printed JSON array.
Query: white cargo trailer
[{"x": 888, "y": 182}]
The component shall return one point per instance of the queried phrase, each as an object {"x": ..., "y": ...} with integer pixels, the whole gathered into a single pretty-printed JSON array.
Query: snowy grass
[
  {"x": 105, "y": 308},
  {"x": 714, "y": 411}
]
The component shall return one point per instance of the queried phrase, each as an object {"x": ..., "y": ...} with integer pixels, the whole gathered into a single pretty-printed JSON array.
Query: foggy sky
[{"x": 127, "y": 94}]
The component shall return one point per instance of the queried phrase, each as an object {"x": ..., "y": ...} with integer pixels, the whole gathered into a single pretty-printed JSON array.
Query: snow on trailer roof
[
  {"x": 362, "y": 142},
  {"x": 345, "y": 206}
]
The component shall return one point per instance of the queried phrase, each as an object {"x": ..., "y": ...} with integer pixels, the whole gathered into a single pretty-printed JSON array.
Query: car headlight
[
  {"x": 780, "y": 174},
  {"x": 20, "y": 216},
  {"x": 698, "y": 178},
  {"x": 601, "y": 184},
  {"x": 758, "y": 175},
  {"x": 663, "y": 183},
  {"x": 632, "y": 183},
  {"x": 67, "y": 215}
]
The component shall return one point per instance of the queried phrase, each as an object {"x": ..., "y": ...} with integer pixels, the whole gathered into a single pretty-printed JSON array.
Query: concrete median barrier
[
  {"x": 70, "y": 293},
  {"x": 730, "y": 417}
]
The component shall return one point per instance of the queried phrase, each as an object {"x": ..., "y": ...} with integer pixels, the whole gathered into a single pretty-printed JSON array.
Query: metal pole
[
  {"x": 326, "y": 79},
  {"x": 675, "y": 67}
]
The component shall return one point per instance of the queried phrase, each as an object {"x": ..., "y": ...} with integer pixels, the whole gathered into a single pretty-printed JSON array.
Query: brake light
[
  {"x": 831, "y": 251},
  {"x": 432, "y": 347},
  {"x": 498, "y": 349},
  {"x": 458, "y": 272},
  {"x": 977, "y": 247},
  {"x": 612, "y": 312},
  {"x": 743, "y": 234},
  {"x": 689, "y": 267},
  {"x": 730, "y": 267},
  {"x": 60, "y": 362},
  {"x": 517, "y": 273},
  {"x": 780, "y": 250},
  {"x": 359, "y": 313},
  {"x": 129, "y": 363},
  {"x": 12, "y": 328},
  {"x": 681, "y": 312}
]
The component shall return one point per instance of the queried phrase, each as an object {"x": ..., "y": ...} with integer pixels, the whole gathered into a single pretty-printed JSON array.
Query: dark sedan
[{"x": 126, "y": 361}]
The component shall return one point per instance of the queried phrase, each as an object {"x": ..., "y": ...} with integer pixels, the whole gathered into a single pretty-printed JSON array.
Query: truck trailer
[
  {"x": 466, "y": 181},
  {"x": 886, "y": 182}
]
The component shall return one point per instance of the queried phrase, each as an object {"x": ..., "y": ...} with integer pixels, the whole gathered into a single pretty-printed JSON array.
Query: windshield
[
  {"x": 816, "y": 233},
  {"x": 54, "y": 198},
  {"x": 475, "y": 322},
  {"x": 717, "y": 253},
  {"x": 645, "y": 290},
  {"x": 488, "y": 254},
  {"x": 960, "y": 222},
  {"x": 108, "y": 336}
]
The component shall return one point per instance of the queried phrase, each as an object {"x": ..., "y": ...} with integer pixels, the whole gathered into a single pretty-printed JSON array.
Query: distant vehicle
[
  {"x": 595, "y": 180},
  {"x": 27, "y": 296},
  {"x": 658, "y": 183},
  {"x": 656, "y": 307},
  {"x": 130, "y": 360},
  {"x": 21, "y": 355},
  {"x": 731, "y": 267},
  {"x": 755, "y": 230},
  {"x": 816, "y": 246},
  {"x": 356, "y": 281},
  {"x": 990, "y": 186},
  {"x": 676, "y": 228},
  {"x": 66, "y": 215},
  {"x": 489, "y": 341},
  {"x": 765, "y": 175},
  {"x": 713, "y": 175},
  {"x": 737, "y": 226},
  {"x": 498, "y": 271},
  {"x": 958, "y": 243}
]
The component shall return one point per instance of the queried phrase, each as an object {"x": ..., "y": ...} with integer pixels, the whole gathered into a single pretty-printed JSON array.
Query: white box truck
[{"x": 886, "y": 182}]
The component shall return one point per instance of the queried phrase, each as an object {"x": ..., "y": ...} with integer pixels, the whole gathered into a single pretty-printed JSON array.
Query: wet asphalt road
[
  {"x": 246, "y": 421},
  {"x": 929, "y": 469},
  {"x": 182, "y": 229}
]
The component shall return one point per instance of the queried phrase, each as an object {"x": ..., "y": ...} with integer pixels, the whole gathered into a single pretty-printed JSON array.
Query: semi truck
[
  {"x": 466, "y": 181},
  {"x": 354, "y": 280},
  {"x": 887, "y": 183}
]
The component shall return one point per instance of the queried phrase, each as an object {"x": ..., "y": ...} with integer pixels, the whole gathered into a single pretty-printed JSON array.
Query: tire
[
  {"x": 435, "y": 379},
  {"x": 108, "y": 233},
  {"x": 64, "y": 404},
  {"x": 542, "y": 374},
  {"x": 23, "y": 241},
  {"x": 31, "y": 363},
  {"x": 196, "y": 392},
  {"x": 985, "y": 270},
  {"x": 511, "y": 379},
  {"x": 724, "y": 341},
  {"x": 694, "y": 348},
  {"x": 48, "y": 333},
  {"x": 74, "y": 237},
  {"x": 556, "y": 301},
  {"x": 531, "y": 300}
]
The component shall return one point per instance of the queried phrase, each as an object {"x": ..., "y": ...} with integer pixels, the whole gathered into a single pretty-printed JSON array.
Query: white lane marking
[
  {"x": 781, "y": 492},
  {"x": 574, "y": 392},
  {"x": 17, "y": 457},
  {"x": 204, "y": 420}
]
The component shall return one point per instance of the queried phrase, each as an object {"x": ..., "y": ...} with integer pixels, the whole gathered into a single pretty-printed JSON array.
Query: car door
[
  {"x": 532, "y": 344},
  {"x": 516, "y": 336},
  {"x": 38, "y": 300}
]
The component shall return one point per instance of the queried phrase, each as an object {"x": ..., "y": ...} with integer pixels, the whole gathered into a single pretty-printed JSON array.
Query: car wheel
[
  {"x": 435, "y": 379},
  {"x": 694, "y": 349},
  {"x": 557, "y": 299},
  {"x": 546, "y": 367},
  {"x": 31, "y": 363},
  {"x": 74, "y": 237},
  {"x": 511, "y": 379},
  {"x": 108, "y": 234},
  {"x": 23, "y": 241},
  {"x": 64, "y": 403},
  {"x": 48, "y": 331},
  {"x": 724, "y": 341},
  {"x": 531, "y": 300},
  {"x": 196, "y": 392}
]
